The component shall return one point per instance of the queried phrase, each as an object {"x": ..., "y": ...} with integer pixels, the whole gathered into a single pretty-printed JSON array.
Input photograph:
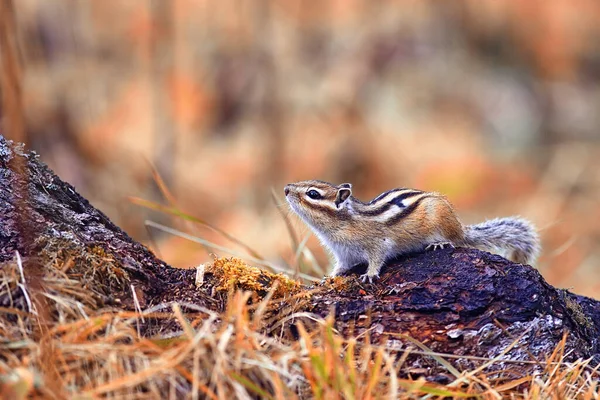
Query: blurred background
[{"x": 496, "y": 104}]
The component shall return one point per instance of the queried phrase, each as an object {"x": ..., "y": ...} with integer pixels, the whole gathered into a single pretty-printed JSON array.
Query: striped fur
[{"x": 396, "y": 222}]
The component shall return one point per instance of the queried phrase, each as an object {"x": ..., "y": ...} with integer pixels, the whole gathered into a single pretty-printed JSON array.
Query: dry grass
[
  {"x": 58, "y": 340},
  {"x": 58, "y": 343},
  {"x": 491, "y": 103}
]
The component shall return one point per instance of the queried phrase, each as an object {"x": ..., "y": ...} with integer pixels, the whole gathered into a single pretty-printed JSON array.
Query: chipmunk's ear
[
  {"x": 346, "y": 185},
  {"x": 342, "y": 194}
]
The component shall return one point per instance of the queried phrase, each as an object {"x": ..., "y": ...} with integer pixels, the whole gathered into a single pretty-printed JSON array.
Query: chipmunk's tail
[{"x": 513, "y": 237}]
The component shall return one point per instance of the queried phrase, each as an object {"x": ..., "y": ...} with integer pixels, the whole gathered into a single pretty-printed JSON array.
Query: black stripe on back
[
  {"x": 397, "y": 201},
  {"x": 376, "y": 211},
  {"x": 382, "y": 195},
  {"x": 408, "y": 210}
]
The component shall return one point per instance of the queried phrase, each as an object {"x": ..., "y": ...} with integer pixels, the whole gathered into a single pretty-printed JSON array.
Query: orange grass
[{"x": 96, "y": 353}]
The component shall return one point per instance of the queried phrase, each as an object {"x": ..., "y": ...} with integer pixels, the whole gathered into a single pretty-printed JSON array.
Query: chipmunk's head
[{"x": 318, "y": 203}]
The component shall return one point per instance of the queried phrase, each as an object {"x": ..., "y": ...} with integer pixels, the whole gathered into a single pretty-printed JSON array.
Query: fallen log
[{"x": 466, "y": 303}]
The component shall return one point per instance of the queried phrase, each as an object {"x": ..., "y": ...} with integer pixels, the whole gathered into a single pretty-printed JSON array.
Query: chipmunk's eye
[{"x": 313, "y": 194}]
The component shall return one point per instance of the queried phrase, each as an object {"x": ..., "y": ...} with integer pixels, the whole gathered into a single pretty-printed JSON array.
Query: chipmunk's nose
[{"x": 286, "y": 190}]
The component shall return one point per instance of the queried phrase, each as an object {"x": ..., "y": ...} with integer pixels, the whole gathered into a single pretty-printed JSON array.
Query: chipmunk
[{"x": 399, "y": 221}]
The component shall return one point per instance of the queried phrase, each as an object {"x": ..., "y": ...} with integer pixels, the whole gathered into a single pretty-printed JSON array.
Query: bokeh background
[{"x": 496, "y": 104}]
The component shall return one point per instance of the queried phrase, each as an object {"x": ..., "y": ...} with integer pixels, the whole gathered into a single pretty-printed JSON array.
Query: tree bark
[{"x": 463, "y": 302}]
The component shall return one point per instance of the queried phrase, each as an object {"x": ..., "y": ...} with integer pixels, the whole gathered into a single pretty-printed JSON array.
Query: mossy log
[{"x": 463, "y": 302}]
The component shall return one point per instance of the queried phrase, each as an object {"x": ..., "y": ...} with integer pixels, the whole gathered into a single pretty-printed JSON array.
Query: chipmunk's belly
[
  {"x": 349, "y": 254},
  {"x": 396, "y": 248}
]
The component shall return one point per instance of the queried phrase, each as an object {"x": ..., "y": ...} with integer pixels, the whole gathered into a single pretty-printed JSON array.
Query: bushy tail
[{"x": 514, "y": 238}]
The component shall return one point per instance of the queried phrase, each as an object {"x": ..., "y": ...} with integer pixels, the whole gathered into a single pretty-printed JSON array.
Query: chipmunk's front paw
[
  {"x": 370, "y": 277},
  {"x": 439, "y": 245}
]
